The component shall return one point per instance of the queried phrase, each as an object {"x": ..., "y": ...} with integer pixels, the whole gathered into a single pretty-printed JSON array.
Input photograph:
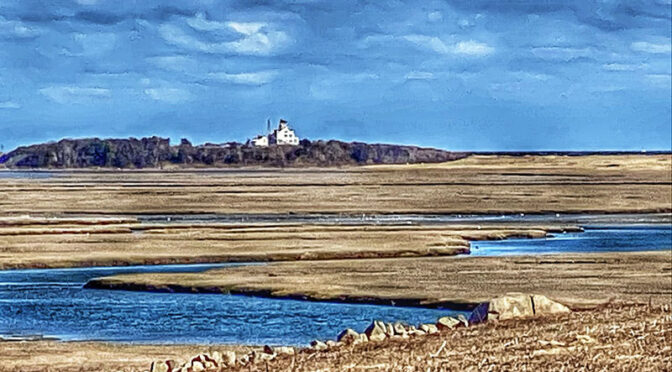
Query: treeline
[{"x": 156, "y": 152}]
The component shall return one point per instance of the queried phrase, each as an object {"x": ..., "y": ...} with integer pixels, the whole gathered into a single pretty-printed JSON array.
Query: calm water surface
[
  {"x": 52, "y": 302},
  {"x": 624, "y": 238}
]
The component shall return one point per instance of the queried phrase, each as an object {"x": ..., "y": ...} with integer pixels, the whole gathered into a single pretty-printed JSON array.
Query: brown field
[
  {"x": 478, "y": 184},
  {"x": 578, "y": 280},
  {"x": 615, "y": 338},
  {"x": 65, "y": 242},
  {"x": 82, "y": 218}
]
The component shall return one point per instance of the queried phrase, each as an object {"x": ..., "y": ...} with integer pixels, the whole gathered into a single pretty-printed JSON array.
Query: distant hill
[{"x": 156, "y": 152}]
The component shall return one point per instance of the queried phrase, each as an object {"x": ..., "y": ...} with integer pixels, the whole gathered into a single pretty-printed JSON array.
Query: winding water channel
[{"x": 53, "y": 302}]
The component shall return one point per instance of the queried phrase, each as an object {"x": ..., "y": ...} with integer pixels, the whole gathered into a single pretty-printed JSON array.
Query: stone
[
  {"x": 229, "y": 358},
  {"x": 463, "y": 319},
  {"x": 512, "y": 306},
  {"x": 159, "y": 367},
  {"x": 479, "y": 314},
  {"x": 332, "y": 344},
  {"x": 399, "y": 329},
  {"x": 429, "y": 328},
  {"x": 417, "y": 332},
  {"x": 285, "y": 350},
  {"x": 318, "y": 345},
  {"x": 545, "y": 306},
  {"x": 447, "y": 322},
  {"x": 197, "y": 366},
  {"x": 268, "y": 349},
  {"x": 244, "y": 360},
  {"x": 209, "y": 365},
  {"x": 362, "y": 339},
  {"x": 172, "y": 364},
  {"x": 389, "y": 330},
  {"x": 217, "y": 357},
  {"x": 376, "y": 331},
  {"x": 261, "y": 356},
  {"x": 348, "y": 336}
]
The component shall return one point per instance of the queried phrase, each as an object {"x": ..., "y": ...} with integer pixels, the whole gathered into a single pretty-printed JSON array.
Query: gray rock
[
  {"x": 376, "y": 331},
  {"x": 447, "y": 322}
]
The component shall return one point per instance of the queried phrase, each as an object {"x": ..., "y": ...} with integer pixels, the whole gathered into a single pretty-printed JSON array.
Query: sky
[{"x": 458, "y": 75}]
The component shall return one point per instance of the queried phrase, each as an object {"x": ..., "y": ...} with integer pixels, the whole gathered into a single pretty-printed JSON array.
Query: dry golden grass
[
  {"x": 578, "y": 280},
  {"x": 48, "y": 356},
  {"x": 82, "y": 243},
  {"x": 618, "y": 338},
  {"x": 478, "y": 184},
  {"x": 614, "y": 338}
]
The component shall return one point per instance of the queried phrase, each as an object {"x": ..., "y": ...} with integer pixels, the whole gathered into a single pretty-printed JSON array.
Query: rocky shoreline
[{"x": 507, "y": 307}]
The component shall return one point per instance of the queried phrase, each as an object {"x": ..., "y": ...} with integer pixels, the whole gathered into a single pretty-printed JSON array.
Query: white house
[
  {"x": 283, "y": 135},
  {"x": 260, "y": 141}
]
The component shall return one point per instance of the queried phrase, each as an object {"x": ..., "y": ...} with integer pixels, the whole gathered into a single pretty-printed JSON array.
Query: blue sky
[{"x": 462, "y": 75}]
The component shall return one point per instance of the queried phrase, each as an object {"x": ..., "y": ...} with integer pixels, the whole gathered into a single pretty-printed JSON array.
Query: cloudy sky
[{"x": 469, "y": 75}]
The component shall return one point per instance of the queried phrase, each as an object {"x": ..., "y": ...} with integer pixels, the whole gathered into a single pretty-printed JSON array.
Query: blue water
[
  {"x": 25, "y": 174},
  {"x": 627, "y": 238},
  {"x": 52, "y": 302}
]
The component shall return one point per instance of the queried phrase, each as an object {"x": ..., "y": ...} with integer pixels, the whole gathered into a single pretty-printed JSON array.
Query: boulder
[
  {"x": 429, "y": 328},
  {"x": 389, "y": 330},
  {"x": 229, "y": 358},
  {"x": 545, "y": 306},
  {"x": 197, "y": 366},
  {"x": 332, "y": 344},
  {"x": 348, "y": 336},
  {"x": 417, "y": 332},
  {"x": 209, "y": 366},
  {"x": 511, "y": 306},
  {"x": 285, "y": 350},
  {"x": 399, "y": 329},
  {"x": 479, "y": 314},
  {"x": 268, "y": 349},
  {"x": 159, "y": 367},
  {"x": 217, "y": 357},
  {"x": 363, "y": 338},
  {"x": 447, "y": 322},
  {"x": 318, "y": 345},
  {"x": 261, "y": 356},
  {"x": 463, "y": 319},
  {"x": 376, "y": 331}
]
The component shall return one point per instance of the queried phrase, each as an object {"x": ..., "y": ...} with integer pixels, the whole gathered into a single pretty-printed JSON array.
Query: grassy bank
[
  {"x": 83, "y": 242},
  {"x": 578, "y": 280},
  {"x": 615, "y": 338}
]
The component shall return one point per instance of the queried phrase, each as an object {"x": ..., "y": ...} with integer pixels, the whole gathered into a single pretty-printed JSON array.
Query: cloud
[
  {"x": 17, "y": 30},
  {"x": 473, "y": 48},
  {"x": 659, "y": 80},
  {"x": 468, "y": 48},
  {"x": 255, "y": 39},
  {"x": 9, "y": 105},
  {"x": 173, "y": 63},
  {"x": 247, "y": 78},
  {"x": 624, "y": 66},
  {"x": 562, "y": 53},
  {"x": 169, "y": 95},
  {"x": 200, "y": 23},
  {"x": 74, "y": 94},
  {"x": 419, "y": 75},
  {"x": 646, "y": 47}
]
